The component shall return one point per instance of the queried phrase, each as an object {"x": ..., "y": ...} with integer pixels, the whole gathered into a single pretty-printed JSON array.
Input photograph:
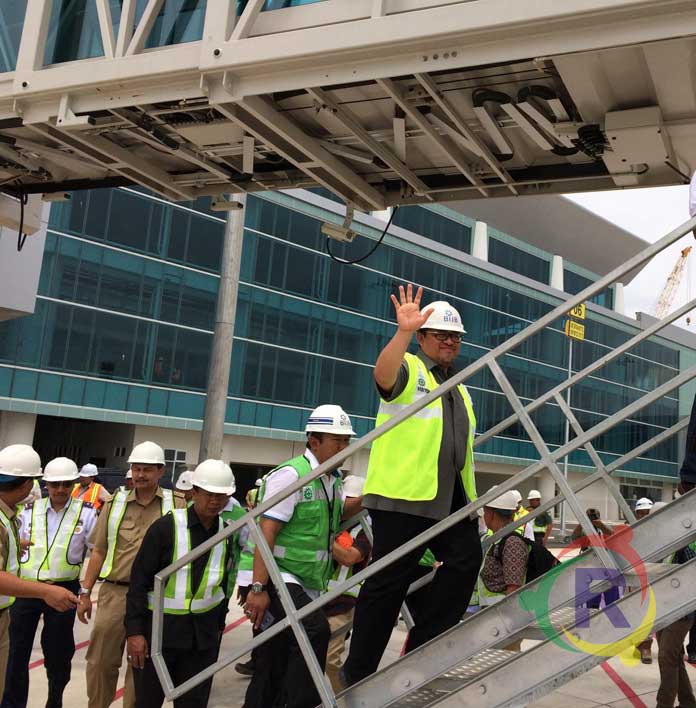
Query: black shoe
[{"x": 245, "y": 669}]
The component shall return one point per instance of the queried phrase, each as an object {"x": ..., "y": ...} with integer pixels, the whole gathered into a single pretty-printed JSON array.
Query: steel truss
[
  {"x": 654, "y": 537},
  {"x": 383, "y": 102}
]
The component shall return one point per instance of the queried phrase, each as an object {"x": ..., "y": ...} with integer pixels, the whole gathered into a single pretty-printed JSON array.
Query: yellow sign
[
  {"x": 578, "y": 312},
  {"x": 574, "y": 329}
]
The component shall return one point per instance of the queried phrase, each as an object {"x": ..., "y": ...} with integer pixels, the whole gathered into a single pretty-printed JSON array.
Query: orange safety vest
[{"x": 91, "y": 495}]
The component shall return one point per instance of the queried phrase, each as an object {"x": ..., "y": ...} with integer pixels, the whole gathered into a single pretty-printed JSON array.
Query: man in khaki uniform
[
  {"x": 117, "y": 538},
  {"x": 19, "y": 465}
]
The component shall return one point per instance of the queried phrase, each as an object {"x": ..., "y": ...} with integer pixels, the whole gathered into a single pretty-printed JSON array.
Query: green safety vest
[
  {"x": 50, "y": 561},
  {"x": 671, "y": 558},
  {"x": 343, "y": 572},
  {"x": 539, "y": 527},
  {"x": 12, "y": 562},
  {"x": 228, "y": 517},
  {"x": 487, "y": 597},
  {"x": 113, "y": 523},
  {"x": 403, "y": 462},
  {"x": 179, "y": 598},
  {"x": 304, "y": 545}
]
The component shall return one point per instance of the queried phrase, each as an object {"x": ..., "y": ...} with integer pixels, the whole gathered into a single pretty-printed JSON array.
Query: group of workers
[{"x": 419, "y": 473}]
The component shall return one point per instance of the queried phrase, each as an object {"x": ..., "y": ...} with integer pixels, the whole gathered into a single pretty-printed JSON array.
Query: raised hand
[{"x": 408, "y": 311}]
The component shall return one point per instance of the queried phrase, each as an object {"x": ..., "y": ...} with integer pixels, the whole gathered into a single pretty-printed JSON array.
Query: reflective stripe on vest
[
  {"x": 303, "y": 544},
  {"x": 50, "y": 562},
  {"x": 113, "y": 523},
  {"x": 91, "y": 496},
  {"x": 12, "y": 561},
  {"x": 178, "y": 596},
  {"x": 404, "y": 462},
  {"x": 343, "y": 572}
]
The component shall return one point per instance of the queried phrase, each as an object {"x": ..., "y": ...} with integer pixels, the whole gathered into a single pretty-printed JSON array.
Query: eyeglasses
[
  {"x": 444, "y": 336},
  {"x": 55, "y": 485}
]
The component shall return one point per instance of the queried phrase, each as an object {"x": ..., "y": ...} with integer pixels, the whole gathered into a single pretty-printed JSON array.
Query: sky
[{"x": 650, "y": 214}]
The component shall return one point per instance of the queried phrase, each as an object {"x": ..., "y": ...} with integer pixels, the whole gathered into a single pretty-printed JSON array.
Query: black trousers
[
  {"x": 459, "y": 550},
  {"x": 57, "y": 643},
  {"x": 281, "y": 677},
  {"x": 182, "y": 665}
]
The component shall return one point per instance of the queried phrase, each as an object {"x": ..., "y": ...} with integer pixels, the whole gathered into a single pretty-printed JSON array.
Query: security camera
[{"x": 341, "y": 232}]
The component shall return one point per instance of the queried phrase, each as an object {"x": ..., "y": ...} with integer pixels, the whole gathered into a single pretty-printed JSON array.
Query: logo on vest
[
  {"x": 421, "y": 385},
  {"x": 308, "y": 493}
]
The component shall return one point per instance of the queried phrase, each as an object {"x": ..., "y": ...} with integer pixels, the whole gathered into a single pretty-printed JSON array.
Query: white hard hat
[
  {"x": 329, "y": 419},
  {"x": 61, "y": 469},
  {"x": 505, "y": 502},
  {"x": 644, "y": 503},
  {"x": 129, "y": 474},
  {"x": 534, "y": 494},
  {"x": 353, "y": 485},
  {"x": 20, "y": 461},
  {"x": 147, "y": 453},
  {"x": 184, "y": 483},
  {"x": 258, "y": 482},
  {"x": 214, "y": 476},
  {"x": 518, "y": 496},
  {"x": 444, "y": 317},
  {"x": 89, "y": 470}
]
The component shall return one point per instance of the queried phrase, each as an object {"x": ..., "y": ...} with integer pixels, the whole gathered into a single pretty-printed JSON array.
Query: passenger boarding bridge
[{"x": 383, "y": 102}]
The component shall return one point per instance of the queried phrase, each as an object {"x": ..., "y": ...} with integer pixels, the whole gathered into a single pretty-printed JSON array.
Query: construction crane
[{"x": 664, "y": 302}]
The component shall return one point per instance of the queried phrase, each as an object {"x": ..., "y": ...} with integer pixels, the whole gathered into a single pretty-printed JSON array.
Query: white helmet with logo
[
  {"x": 20, "y": 461},
  {"x": 329, "y": 419},
  {"x": 60, "y": 469},
  {"x": 214, "y": 476},
  {"x": 184, "y": 483},
  {"x": 534, "y": 494},
  {"x": 89, "y": 470},
  {"x": 353, "y": 485},
  {"x": 643, "y": 504},
  {"x": 444, "y": 317},
  {"x": 147, "y": 453}
]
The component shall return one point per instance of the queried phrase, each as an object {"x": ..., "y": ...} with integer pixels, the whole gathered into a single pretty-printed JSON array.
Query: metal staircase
[{"x": 468, "y": 665}]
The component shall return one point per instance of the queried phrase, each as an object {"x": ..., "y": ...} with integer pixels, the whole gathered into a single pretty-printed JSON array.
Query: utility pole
[{"x": 221, "y": 354}]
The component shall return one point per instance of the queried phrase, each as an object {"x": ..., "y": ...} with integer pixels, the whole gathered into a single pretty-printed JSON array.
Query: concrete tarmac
[{"x": 619, "y": 686}]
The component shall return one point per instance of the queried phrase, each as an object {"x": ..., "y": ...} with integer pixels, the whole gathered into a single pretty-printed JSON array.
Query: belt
[{"x": 117, "y": 582}]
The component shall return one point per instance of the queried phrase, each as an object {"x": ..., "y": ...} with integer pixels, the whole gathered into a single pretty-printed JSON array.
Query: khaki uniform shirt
[
  {"x": 4, "y": 545},
  {"x": 136, "y": 520}
]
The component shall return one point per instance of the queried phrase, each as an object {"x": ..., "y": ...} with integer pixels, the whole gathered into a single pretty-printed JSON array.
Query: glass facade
[{"x": 127, "y": 295}]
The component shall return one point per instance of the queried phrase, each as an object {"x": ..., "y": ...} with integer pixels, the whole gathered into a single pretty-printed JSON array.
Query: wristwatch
[
  {"x": 257, "y": 588},
  {"x": 83, "y": 591}
]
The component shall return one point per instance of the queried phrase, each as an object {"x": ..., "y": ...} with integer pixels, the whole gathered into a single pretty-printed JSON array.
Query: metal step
[
  {"x": 502, "y": 679},
  {"x": 652, "y": 538}
]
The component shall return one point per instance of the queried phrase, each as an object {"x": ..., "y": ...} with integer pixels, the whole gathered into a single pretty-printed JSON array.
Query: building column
[
  {"x": 556, "y": 277},
  {"x": 479, "y": 245},
  {"x": 619, "y": 304},
  {"x": 17, "y": 428},
  {"x": 213, "y": 430},
  {"x": 547, "y": 488}
]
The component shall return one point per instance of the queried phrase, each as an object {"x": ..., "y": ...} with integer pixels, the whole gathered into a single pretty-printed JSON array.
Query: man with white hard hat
[
  {"x": 19, "y": 466},
  {"x": 300, "y": 531},
  {"x": 542, "y": 525},
  {"x": 185, "y": 485},
  {"x": 643, "y": 507},
  {"x": 117, "y": 537},
  {"x": 88, "y": 489},
  {"x": 418, "y": 474},
  {"x": 195, "y": 603},
  {"x": 351, "y": 553},
  {"x": 55, "y": 531}
]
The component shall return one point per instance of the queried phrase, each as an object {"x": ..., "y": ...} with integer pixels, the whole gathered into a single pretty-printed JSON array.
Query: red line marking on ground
[
  {"x": 234, "y": 625},
  {"x": 623, "y": 686},
  {"x": 119, "y": 694},
  {"x": 39, "y": 662}
]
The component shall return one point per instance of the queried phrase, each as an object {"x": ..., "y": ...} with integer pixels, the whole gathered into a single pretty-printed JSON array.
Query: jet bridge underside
[{"x": 383, "y": 102}]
